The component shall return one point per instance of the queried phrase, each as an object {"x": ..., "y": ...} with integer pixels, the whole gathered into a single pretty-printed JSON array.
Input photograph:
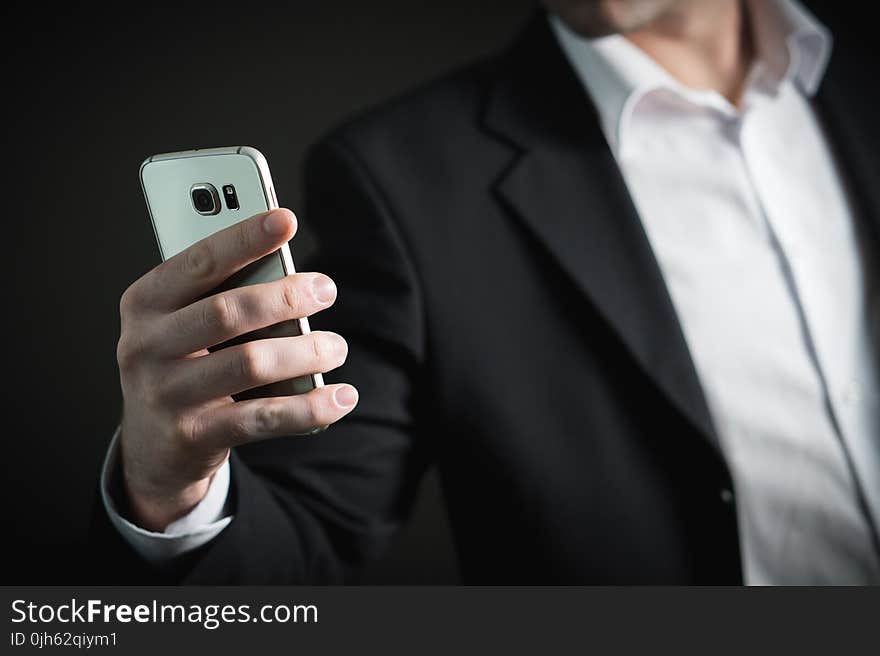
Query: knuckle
[
  {"x": 123, "y": 353},
  {"x": 128, "y": 352},
  {"x": 244, "y": 237},
  {"x": 189, "y": 431},
  {"x": 320, "y": 347},
  {"x": 219, "y": 313},
  {"x": 251, "y": 363},
  {"x": 239, "y": 431},
  {"x": 315, "y": 410},
  {"x": 291, "y": 300},
  {"x": 184, "y": 430},
  {"x": 128, "y": 301},
  {"x": 198, "y": 261},
  {"x": 268, "y": 418}
]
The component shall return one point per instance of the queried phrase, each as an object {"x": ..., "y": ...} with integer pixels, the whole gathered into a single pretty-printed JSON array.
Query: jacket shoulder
[{"x": 435, "y": 114}]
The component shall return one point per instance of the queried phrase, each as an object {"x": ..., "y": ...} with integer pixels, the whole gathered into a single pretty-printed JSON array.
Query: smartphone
[{"x": 193, "y": 194}]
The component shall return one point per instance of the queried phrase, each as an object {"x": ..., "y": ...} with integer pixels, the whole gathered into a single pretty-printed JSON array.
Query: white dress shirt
[{"x": 753, "y": 234}]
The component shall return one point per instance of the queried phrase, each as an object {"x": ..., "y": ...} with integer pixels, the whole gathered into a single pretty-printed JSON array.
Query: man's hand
[{"x": 179, "y": 419}]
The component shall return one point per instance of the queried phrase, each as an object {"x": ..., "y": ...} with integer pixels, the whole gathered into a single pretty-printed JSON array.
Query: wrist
[{"x": 155, "y": 509}]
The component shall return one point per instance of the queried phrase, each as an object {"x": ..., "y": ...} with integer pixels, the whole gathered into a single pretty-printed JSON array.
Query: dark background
[
  {"x": 92, "y": 95},
  {"x": 89, "y": 95}
]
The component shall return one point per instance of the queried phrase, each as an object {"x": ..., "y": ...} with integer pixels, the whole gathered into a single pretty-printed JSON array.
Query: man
[{"x": 618, "y": 283}]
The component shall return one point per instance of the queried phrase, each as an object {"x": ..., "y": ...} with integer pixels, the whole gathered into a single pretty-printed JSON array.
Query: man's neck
[{"x": 705, "y": 44}]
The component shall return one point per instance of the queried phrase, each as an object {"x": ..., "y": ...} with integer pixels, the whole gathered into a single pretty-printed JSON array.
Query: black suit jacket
[{"x": 507, "y": 321}]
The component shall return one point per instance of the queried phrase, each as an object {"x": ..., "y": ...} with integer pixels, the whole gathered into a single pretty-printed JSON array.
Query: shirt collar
[{"x": 790, "y": 42}]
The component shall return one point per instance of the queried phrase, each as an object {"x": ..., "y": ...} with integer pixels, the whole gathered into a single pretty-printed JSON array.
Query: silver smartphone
[{"x": 193, "y": 194}]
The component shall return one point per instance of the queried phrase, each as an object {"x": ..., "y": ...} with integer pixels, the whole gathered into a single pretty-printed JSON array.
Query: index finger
[{"x": 197, "y": 270}]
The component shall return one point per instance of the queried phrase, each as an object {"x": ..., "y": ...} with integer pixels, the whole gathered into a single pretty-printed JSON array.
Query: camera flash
[{"x": 230, "y": 196}]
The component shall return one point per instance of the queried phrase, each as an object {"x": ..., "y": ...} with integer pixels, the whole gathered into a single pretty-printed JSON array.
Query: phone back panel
[{"x": 167, "y": 181}]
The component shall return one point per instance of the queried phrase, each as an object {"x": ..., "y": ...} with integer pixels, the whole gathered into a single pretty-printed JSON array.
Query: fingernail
[
  {"x": 345, "y": 396},
  {"x": 340, "y": 344},
  {"x": 276, "y": 223},
  {"x": 323, "y": 289}
]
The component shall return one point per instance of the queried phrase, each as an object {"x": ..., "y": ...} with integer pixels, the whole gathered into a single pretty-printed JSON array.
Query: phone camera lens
[{"x": 205, "y": 199}]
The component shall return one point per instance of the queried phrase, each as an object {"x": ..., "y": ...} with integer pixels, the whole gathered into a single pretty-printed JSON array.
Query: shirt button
[
  {"x": 852, "y": 393},
  {"x": 726, "y": 495}
]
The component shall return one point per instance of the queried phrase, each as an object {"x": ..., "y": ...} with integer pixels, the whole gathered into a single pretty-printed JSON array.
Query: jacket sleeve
[{"x": 315, "y": 509}]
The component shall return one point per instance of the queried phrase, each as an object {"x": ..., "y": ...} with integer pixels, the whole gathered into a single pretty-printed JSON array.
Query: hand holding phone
[{"x": 191, "y": 340}]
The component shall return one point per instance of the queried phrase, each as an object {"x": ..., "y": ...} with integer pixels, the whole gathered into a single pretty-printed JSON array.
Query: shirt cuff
[{"x": 195, "y": 529}]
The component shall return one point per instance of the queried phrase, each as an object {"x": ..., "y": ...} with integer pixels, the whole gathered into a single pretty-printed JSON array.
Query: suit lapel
[{"x": 565, "y": 187}]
